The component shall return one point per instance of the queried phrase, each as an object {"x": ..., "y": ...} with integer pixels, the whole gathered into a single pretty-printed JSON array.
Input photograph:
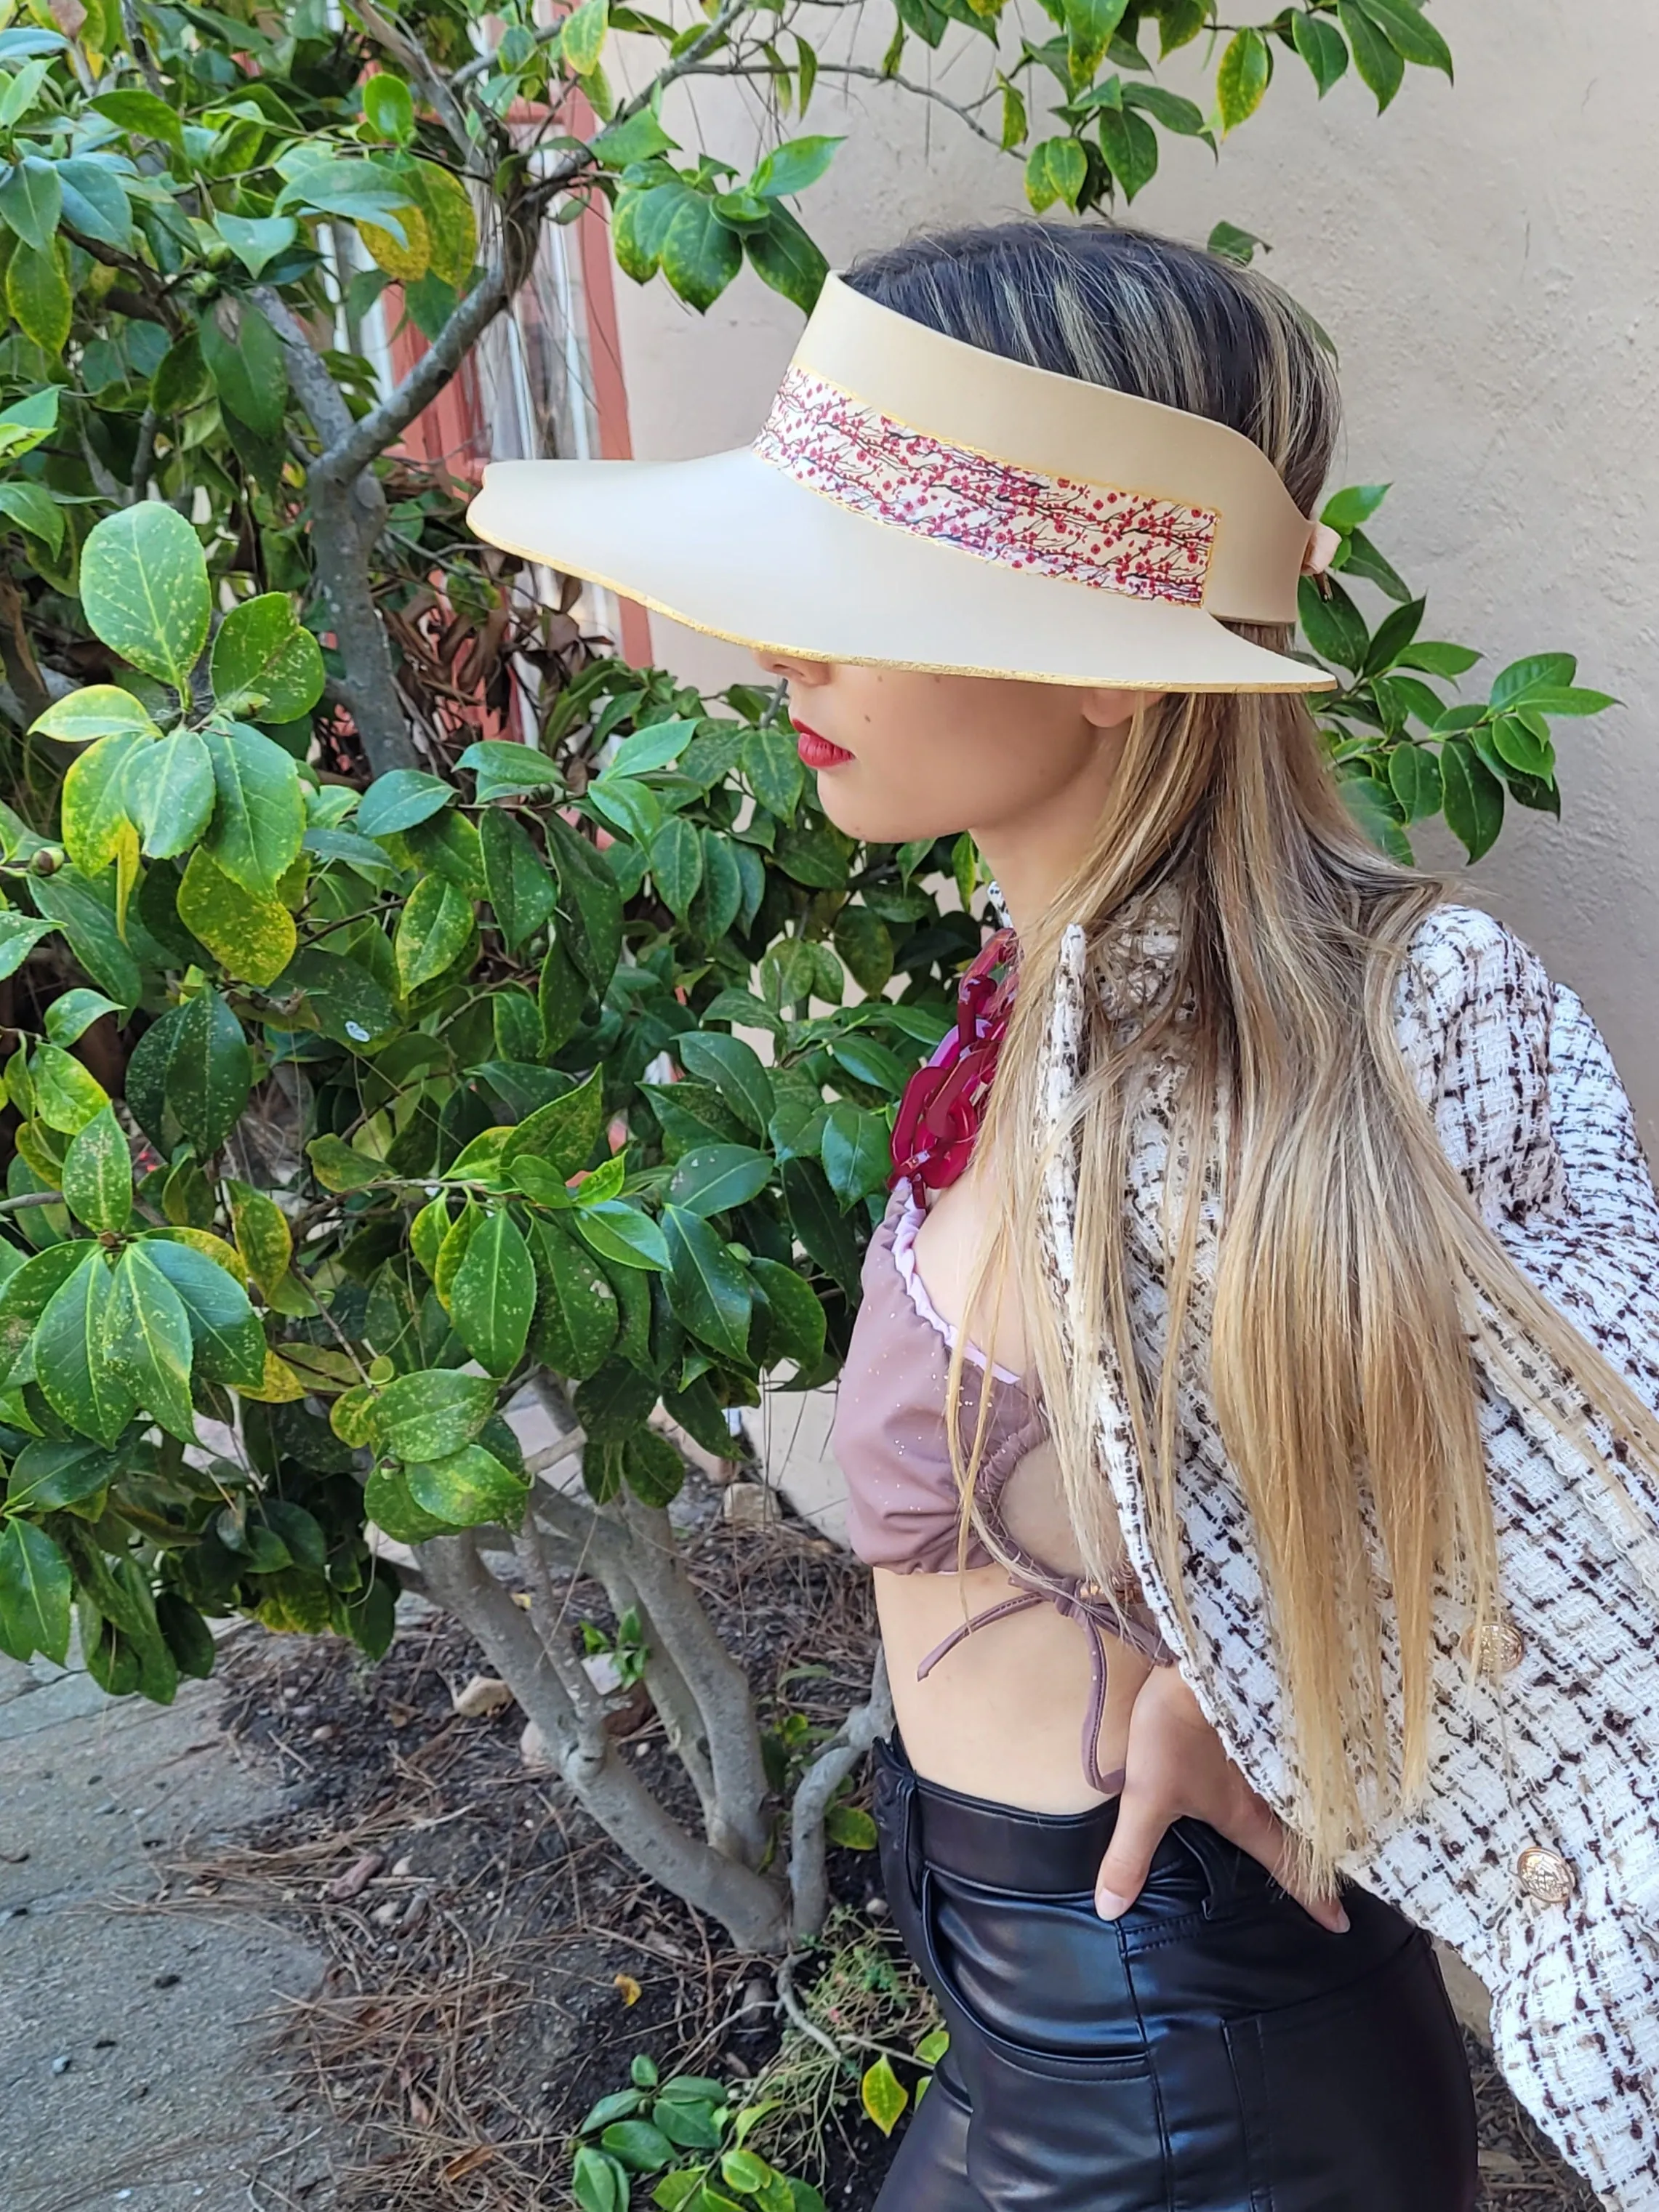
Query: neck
[{"x": 1033, "y": 856}]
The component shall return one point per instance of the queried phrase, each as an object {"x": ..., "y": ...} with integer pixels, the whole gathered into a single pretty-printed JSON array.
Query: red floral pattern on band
[{"x": 846, "y": 450}]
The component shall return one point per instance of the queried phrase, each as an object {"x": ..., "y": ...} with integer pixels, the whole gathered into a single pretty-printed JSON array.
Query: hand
[{"x": 1174, "y": 1769}]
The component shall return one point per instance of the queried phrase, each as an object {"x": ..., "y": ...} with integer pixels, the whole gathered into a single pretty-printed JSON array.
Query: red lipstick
[{"x": 815, "y": 751}]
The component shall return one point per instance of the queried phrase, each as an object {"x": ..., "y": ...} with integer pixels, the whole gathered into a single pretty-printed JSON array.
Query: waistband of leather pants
[{"x": 1005, "y": 1847}]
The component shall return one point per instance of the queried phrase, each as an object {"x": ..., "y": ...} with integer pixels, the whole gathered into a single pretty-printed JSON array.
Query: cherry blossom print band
[{"x": 847, "y": 450}]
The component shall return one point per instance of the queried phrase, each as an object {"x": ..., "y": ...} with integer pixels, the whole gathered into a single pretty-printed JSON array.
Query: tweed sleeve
[{"x": 1475, "y": 1016}]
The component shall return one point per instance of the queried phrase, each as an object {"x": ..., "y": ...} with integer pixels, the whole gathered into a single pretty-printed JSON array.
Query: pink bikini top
[{"x": 903, "y": 1507}]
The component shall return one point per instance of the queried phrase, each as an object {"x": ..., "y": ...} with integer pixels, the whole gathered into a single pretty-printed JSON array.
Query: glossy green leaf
[
  {"x": 713, "y": 1178},
  {"x": 19, "y": 935},
  {"x": 259, "y": 820},
  {"x": 93, "y": 805},
  {"x": 563, "y": 1132},
  {"x": 148, "y": 1343},
  {"x": 168, "y": 792},
  {"x": 795, "y": 1324},
  {"x": 772, "y": 770},
  {"x": 711, "y": 1293},
  {"x": 736, "y": 1071},
  {"x": 590, "y": 910},
  {"x": 655, "y": 1473},
  {"x": 66, "y": 1096},
  {"x": 38, "y": 294},
  {"x": 244, "y": 357},
  {"x": 799, "y": 163},
  {"x": 819, "y": 1224},
  {"x": 857, "y": 1153},
  {"x": 54, "y": 1476},
  {"x": 1410, "y": 32},
  {"x": 699, "y": 255},
  {"x": 615, "y": 1401},
  {"x": 263, "y": 1237},
  {"x": 494, "y": 1294},
  {"x": 263, "y": 662},
  {"x": 1130, "y": 145},
  {"x": 522, "y": 892},
  {"x": 1376, "y": 57},
  {"x": 1246, "y": 67},
  {"x": 144, "y": 590},
  {"x": 400, "y": 799},
  {"x": 142, "y": 113},
  {"x": 72, "y": 1013},
  {"x": 257, "y": 241},
  {"x": 209, "y": 1071},
  {"x": 1321, "y": 45},
  {"x": 865, "y": 944},
  {"x": 73, "y": 1345},
  {"x": 1089, "y": 26},
  {"x": 621, "y": 1235},
  {"x": 32, "y": 508},
  {"x": 100, "y": 710},
  {"x": 32, "y": 201},
  {"x": 466, "y": 1487},
  {"x": 1414, "y": 778},
  {"x": 97, "y": 1179},
  {"x": 1474, "y": 798},
  {"x": 226, "y": 1333},
  {"x": 433, "y": 930},
  {"x": 36, "y": 1587},
  {"x": 388, "y": 107},
  {"x": 428, "y": 1415},
  {"x": 340, "y": 1167},
  {"x": 577, "y": 1317},
  {"x": 677, "y": 864},
  {"x": 850, "y": 1827}
]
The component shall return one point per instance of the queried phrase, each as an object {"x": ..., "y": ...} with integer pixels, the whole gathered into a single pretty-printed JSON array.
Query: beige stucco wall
[{"x": 1484, "y": 257}]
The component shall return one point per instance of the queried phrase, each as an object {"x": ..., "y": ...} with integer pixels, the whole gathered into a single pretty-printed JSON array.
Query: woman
[{"x": 1240, "y": 1417}]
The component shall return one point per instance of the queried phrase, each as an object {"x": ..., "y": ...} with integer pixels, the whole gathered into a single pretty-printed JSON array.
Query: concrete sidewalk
[{"x": 130, "y": 2037}]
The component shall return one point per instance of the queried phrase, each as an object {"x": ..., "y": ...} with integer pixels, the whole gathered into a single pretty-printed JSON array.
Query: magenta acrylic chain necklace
[{"x": 943, "y": 1103}]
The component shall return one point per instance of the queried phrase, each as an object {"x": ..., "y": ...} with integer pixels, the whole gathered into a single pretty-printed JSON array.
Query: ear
[{"x": 1109, "y": 709}]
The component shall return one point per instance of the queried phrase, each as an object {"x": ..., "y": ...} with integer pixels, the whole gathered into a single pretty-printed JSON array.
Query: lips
[{"x": 816, "y": 751}]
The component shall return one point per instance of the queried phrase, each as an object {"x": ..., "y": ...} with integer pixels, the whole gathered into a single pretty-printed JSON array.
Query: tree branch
[
  {"x": 317, "y": 392},
  {"x": 346, "y": 451},
  {"x": 809, "y": 1881}
]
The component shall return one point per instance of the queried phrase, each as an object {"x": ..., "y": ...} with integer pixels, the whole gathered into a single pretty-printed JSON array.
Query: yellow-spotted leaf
[
  {"x": 38, "y": 295},
  {"x": 263, "y": 1237},
  {"x": 884, "y": 2096},
  {"x": 407, "y": 263},
  {"x": 251, "y": 937},
  {"x": 66, "y": 1097},
  {"x": 94, "y": 807},
  {"x": 451, "y": 226},
  {"x": 352, "y": 1415},
  {"x": 281, "y": 1385}
]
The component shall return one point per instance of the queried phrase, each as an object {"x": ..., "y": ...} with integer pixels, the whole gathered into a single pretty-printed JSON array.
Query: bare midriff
[{"x": 1000, "y": 1717}]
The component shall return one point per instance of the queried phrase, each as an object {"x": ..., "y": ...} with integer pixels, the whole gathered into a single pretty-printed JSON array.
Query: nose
[{"x": 793, "y": 667}]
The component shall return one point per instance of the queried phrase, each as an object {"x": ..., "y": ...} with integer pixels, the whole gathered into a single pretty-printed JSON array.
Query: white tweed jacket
[{"x": 1544, "y": 1772}]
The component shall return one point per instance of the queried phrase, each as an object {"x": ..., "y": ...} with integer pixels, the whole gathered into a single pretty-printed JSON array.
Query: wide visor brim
[{"x": 730, "y": 546}]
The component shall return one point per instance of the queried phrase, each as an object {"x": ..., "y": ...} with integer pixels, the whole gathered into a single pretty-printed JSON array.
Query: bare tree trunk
[
  {"x": 550, "y": 1686},
  {"x": 346, "y": 522}
]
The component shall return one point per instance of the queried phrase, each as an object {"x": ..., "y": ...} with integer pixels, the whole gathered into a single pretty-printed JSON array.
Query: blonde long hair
[{"x": 1353, "y": 1277}]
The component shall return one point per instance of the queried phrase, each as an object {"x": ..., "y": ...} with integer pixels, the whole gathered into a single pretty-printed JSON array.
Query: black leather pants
[{"x": 1214, "y": 2051}]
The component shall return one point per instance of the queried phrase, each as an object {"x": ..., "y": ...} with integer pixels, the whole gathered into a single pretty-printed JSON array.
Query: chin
[{"x": 865, "y": 815}]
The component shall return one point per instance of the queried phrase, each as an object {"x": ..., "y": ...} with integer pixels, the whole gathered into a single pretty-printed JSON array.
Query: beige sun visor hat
[{"x": 912, "y": 502}]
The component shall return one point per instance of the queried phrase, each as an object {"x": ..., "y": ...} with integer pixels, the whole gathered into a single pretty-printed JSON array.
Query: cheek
[{"x": 917, "y": 780}]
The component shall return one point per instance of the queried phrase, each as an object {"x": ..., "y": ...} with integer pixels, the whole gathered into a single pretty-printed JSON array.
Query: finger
[
  {"x": 1258, "y": 1832},
  {"x": 1141, "y": 1822}
]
